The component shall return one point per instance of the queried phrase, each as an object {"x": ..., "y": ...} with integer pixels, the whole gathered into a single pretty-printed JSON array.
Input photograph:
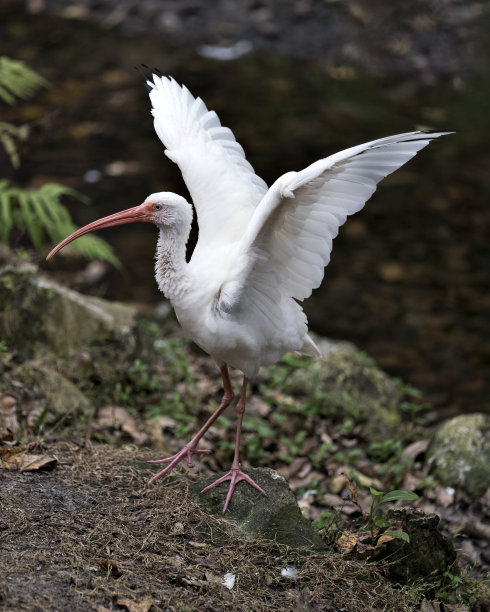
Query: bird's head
[{"x": 168, "y": 211}]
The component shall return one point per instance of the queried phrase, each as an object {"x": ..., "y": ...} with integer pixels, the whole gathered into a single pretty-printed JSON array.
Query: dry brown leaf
[
  {"x": 383, "y": 539},
  {"x": 31, "y": 463},
  {"x": 357, "y": 543},
  {"x": 354, "y": 497},
  {"x": 118, "y": 417},
  {"x": 416, "y": 448},
  {"x": 339, "y": 504},
  {"x": 18, "y": 459},
  {"x": 136, "y": 606}
]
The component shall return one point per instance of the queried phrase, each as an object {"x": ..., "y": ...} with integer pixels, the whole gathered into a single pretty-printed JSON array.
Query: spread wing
[
  {"x": 288, "y": 241},
  {"x": 224, "y": 187}
]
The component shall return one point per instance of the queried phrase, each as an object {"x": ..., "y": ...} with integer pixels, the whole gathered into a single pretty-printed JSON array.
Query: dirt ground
[{"x": 89, "y": 534}]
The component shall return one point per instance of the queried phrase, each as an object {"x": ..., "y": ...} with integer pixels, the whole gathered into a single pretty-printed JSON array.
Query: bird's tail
[{"x": 309, "y": 348}]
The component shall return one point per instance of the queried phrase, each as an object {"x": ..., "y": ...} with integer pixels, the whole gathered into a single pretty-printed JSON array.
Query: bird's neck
[{"x": 171, "y": 266}]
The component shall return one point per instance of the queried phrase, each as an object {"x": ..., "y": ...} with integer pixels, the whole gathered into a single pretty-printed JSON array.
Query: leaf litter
[{"x": 101, "y": 537}]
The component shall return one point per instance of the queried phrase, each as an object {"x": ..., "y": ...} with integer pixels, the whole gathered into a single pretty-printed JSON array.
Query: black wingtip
[
  {"x": 147, "y": 73},
  {"x": 145, "y": 77}
]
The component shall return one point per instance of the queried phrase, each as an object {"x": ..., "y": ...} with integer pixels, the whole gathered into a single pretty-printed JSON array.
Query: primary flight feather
[{"x": 260, "y": 250}]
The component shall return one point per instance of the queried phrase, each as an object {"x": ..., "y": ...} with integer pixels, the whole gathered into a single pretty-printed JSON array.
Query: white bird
[{"x": 260, "y": 250}]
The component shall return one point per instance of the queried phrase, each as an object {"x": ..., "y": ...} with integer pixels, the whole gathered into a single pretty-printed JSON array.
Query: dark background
[{"x": 409, "y": 276}]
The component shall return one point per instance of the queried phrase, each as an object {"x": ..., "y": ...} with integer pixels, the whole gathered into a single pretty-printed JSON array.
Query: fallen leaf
[
  {"x": 416, "y": 448},
  {"x": 119, "y": 418},
  {"x": 31, "y": 463},
  {"x": 20, "y": 459},
  {"x": 359, "y": 543}
]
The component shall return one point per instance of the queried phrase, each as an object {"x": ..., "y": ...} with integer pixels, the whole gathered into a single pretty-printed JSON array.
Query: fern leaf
[
  {"x": 6, "y": 96},
  {"x": 93, "y": 247},
  {"x": 25, "y": 199},
  {"x": 6, "y": 212},
  {"x": 55, "y": 191},
  {"x": 18, "y": 80},
  {"x": 8, "y": 135},
  {"x": 41, "y": 213}
]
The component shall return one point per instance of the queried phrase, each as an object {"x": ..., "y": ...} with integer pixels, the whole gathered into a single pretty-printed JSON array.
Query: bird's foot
[
  {"x": 185, "y": 453},
  {"x": 234, "y": 476}
]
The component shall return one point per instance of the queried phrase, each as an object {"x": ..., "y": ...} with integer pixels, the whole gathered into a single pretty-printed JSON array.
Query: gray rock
[
  {"x": 275, "y": 517},
  {"x": 460, "y": 453},
  {"x": 37, "y": 315},
  {"x": 41, "y": 390}
]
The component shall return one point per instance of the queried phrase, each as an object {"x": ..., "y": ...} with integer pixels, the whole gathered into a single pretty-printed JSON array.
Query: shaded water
[{"x": 409, "y": 276}]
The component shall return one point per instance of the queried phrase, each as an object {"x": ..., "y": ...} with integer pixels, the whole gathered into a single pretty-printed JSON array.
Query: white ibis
[{"x": 260, "y": 250}]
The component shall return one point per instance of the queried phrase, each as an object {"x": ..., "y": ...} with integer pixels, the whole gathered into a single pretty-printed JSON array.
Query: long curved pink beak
[{"x": 131, "y": 215}]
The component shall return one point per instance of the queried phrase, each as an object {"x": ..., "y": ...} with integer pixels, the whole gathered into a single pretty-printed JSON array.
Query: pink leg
[
  {"x": 235, "y": 474},
  {"x": 190, "y": 448}
]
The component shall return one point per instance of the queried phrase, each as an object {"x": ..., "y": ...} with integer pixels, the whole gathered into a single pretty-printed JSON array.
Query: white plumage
[{"x": 260, "y": 250}]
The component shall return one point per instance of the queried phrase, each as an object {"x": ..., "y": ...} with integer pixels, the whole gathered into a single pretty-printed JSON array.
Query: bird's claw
[
  {"x": 234, "y": 476},
  {"x": 185, "y": 453}
]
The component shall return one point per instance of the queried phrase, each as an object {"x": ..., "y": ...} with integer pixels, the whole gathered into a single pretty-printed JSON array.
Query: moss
[
  {"x": 41, "y": 390},
  {"x": 460, "y": 453},
  {"x": 275, "y": 517},
  {"x": 39, "y": 315},
  {"x": 348, "y": 383},
  {"x": 426, "y": 557}
]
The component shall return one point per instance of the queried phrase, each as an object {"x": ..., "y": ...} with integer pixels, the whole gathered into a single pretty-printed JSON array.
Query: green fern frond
[
  {"x": 18, "y": 80},
  {"x": 10, "y": 135},
  {"x": 40, "y": 212},
  {"x": 6, "y": 211}
]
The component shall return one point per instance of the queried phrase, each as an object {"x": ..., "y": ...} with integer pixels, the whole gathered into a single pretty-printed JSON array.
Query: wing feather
[
  {"x": 289, "y": 239},
  {"x": 223, "y": 185}
]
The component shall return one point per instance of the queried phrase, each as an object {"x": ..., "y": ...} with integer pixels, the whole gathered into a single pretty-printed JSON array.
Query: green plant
[
  {"x": 375, "y": 519},
  {"x": 18, "y": 80},
  {"x": 37, "y": 211},
  {"x": 142, "y": 377},
  {"x": 176, "y": 362},
  {"x": 40, "y": 212},
  {"x": 5, "y": 354},
  {"x": 460, "y": 588}
]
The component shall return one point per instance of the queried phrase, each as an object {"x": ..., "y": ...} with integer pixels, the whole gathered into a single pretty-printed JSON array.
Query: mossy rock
[
  {"x": 40, "y": 389},
  {"x": 353, "y": 386},
  {"x": 427, "y": 556},
  {"x": 460, "y": 453},
  {"x": 37, "y": 315},
  {"x": 276, "y": 516}
]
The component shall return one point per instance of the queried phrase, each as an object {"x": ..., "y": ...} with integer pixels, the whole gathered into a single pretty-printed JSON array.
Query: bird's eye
[{"x": 158, "y": 207}]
